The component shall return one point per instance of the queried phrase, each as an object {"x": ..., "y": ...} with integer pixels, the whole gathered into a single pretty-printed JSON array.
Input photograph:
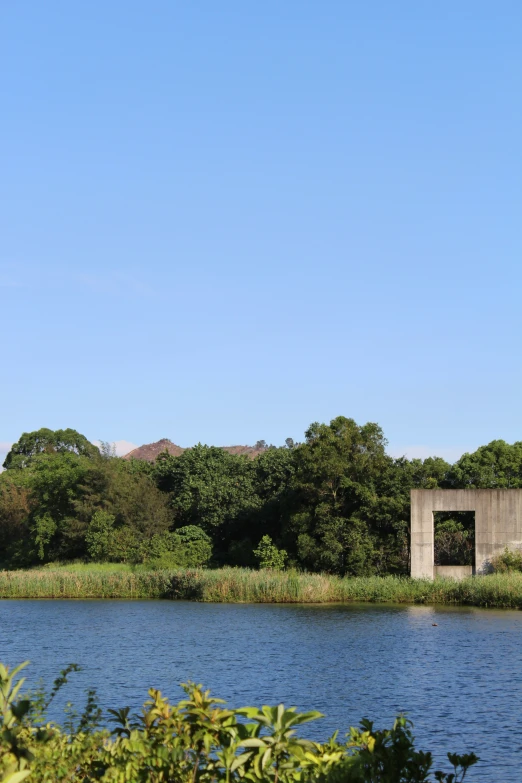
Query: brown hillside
[{"x": 151, "y": 451}]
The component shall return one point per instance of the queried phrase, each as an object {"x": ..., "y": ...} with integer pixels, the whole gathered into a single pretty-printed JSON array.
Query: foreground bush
[
  {"x": 200, "y": 740},
  {"x": 508, "y": 560}
]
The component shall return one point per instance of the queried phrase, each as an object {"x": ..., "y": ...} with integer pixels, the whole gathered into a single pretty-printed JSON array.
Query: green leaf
[
  {"x": 253, "y": 742},
  {"x": 267, "y": 758},
  {"x": 17, "y": 777},
  {"x": 240, "y": 760}
]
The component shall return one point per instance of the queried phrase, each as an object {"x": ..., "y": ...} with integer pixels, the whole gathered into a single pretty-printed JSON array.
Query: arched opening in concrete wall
[{"x": 454, "y": 539}]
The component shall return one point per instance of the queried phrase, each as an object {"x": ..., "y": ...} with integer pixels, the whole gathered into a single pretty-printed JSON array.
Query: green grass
[
  {"x": 241, "y": 585},
  {"x": 81, "y": 567}
]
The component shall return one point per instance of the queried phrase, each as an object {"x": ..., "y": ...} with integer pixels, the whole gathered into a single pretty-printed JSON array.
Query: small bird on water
[{"x": 434, "y": 623}]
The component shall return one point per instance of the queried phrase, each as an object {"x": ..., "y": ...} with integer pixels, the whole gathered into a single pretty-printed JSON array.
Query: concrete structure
[
  {"x": 498, "y": 524},
  {"x": 455, "y": 571}
]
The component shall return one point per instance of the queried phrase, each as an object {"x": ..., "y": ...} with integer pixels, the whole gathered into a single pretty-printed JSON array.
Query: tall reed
[
  {"x": 44, "y": 583},
  {"x": 241, "y": 585}
]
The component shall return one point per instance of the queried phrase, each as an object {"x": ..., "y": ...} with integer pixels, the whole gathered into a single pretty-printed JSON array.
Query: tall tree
[
  {"x": 336, "y": 472},
  {"x": 496, "y": 465},
  {"x": 46, "y": 441},
  {"x": 208, "y": 487}
]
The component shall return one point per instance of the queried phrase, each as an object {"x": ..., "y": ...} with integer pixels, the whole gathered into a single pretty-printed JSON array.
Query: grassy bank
[
  {"x": 235, "y": 585},
  {"x": 96, "y": 583}
]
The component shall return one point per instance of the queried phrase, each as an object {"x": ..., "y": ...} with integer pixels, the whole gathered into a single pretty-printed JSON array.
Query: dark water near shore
[{"x": 460, "y": 682}]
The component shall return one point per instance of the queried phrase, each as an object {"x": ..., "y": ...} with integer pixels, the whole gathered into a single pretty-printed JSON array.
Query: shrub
[
  {"x": 185, "y": 585},
  {"x": 43, "y": 529},
  {"x": 98, "y": 536},
  {"x": 194, "y": 544},
  {"x": 187, "y": 547},
  {"x": 509, "y": 560},
  {"x": 269, "y": 556},
  {"x": 126, "y": 547},
  {"x": 199, "y": 740}
]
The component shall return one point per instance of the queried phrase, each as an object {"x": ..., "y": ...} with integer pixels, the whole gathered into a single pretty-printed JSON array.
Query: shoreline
[{"x": 240, "y": 585}]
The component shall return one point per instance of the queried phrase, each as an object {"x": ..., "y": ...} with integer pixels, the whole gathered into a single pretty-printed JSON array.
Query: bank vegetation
[{"x": 242, "y": 585}]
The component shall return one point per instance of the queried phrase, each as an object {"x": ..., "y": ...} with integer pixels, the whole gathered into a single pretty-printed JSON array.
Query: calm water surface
[{"x": 459, "y": 681}]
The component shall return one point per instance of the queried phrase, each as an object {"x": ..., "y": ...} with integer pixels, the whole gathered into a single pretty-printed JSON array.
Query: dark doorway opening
[{"x": 454, "y": 538}]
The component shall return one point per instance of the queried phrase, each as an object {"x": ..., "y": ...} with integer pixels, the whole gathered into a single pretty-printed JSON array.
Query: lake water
[{"x": 459, "y": 681}]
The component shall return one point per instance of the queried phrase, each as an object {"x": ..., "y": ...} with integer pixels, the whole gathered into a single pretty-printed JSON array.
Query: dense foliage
[
  {"x": 336, "y": 503},
  {"x": 199, "y": 740}
]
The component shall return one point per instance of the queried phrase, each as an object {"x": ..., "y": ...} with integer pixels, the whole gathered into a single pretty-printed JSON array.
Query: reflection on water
[{"x": 457, "y": 672}]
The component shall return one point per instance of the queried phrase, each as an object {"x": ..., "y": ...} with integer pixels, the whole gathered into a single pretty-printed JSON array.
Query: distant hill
[{"x": 150, "y": 451}]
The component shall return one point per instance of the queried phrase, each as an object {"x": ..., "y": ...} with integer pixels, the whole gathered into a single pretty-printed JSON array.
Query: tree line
[{"x": 336, "y": 503}]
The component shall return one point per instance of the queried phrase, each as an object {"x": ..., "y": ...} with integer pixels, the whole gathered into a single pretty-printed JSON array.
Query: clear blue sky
[{"x": 222, "y": 221}]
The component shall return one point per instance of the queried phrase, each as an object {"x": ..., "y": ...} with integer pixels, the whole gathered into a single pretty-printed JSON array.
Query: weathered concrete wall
[
  {"x": 498, "y": 523},
  {"x": 455, "y": 572}
]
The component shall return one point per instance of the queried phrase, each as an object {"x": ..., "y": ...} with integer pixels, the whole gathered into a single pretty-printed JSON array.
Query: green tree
[
  {"x": 496, "y": 465},
  {"x": 98, "y": 536},
  {"x": 269, "y": 556},
  {"x": 336, "y": 471},
  {"x": 46, "y": 441},
  {"x": 44, "y": 528},
  {"x": 272, "y": 475},
  {"x": 63, "y": 491},
  {"x": 337, "y": 459},
  {"x": 388, "y": 509},
  {"x": 194, "y": 544},
  {"x": 15, "y": 510},
  {"x": 334, "y": 544},
  {"x": 209, "y": 488},
  {"x": 187, "y": 547},
  {"x": 53, "y": 482},
  {"x": 131, "y": 497}
]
